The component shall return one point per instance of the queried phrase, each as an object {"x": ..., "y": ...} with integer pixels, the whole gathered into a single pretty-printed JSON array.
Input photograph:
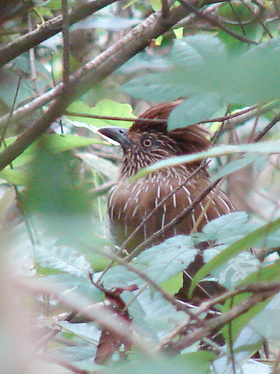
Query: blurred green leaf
[
  {"x": 236, "y": 165},
  {"x": 192, "y": 110},
  {"x": 191, "y": 360},
  {"x": 260, "y": 321},
  {"x": 225, "y": 226},
  {"x": 268, "y": 273},
  {"x": 16, "y": 177},
  {"x": 234, "y": 249},
  {"x": 53, "y": 4},
  {"x": 167, "y": 259},
  {"x": 9, "y": 82},
  {"x": 103, "y": 166},
  {"x": 56, "y": 194},
  {"x": 57, "y": 143},
  {"x": 65, "y": 259},
  {"x": 258, "y": 148},
  {"x": 200, "y": 67},
  {"x": 67, "y": 142},
  {"x": 233, "y": 271},
  {"x": 71, "y": 281},
  {"x": 106, "y": 108},
  {"x": 112, "y": 23},
  {"x": 173, "y": 285},
  {"x": 156, "y": 4},
  {"x": 241, "y": 20},
  {"x": 196, "y": 363}
]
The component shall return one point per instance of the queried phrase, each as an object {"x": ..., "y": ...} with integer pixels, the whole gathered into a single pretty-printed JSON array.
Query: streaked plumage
[{"x": 130, "y": 203}]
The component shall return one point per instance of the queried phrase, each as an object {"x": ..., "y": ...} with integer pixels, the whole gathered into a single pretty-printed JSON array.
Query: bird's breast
[{"x": 152, "y": 202}]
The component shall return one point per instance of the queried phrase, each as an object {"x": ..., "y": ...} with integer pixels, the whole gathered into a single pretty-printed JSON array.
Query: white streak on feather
[{"x": 204, "y": 212}]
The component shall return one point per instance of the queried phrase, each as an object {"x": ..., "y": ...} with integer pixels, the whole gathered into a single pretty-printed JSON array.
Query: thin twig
[
  {"x": 102, "y": 189},
  {"x": 267, "y": 128},
  {"x": 239, "y": 22},
  {"x": 253, "y": 288},
  {"x": 11, "y": 113},
  {"x": 231, "y": 350},
  {"x": 156, "y": 120},
  {"x": 92, "y": 73},
  {"x": 66, "y": 41},
  {"x": 48, "y": 29},
  {"x": 215, "y": 22},
  {"x": 216, "y": 323},
  {"x": 98, "y": 313},
  {"x": 177, "y": 303},
  {"x": 258, "y": 16}
]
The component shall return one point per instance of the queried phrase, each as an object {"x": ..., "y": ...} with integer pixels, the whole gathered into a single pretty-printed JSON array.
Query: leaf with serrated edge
[
  {"x": 167, "y": 259},
  {"x": 234, "y": 249}
]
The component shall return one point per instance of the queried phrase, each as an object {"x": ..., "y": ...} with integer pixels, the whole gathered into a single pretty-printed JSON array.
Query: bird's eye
[{"x": 147, "y": 142}]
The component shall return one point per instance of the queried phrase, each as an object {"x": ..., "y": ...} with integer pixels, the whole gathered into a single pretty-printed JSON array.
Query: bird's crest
[{"x": 193, "y": 138}]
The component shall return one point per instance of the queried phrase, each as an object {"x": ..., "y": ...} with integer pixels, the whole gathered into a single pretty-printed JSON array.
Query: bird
[{"x": 137, "y": 204}]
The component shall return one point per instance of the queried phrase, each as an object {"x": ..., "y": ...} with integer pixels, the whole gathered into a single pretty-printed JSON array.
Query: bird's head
[{"x": 147, "y": 142}]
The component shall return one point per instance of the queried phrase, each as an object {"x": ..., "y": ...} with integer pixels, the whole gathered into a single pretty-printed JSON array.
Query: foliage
[
  {"x": 65, "y": 291},
  {"x": 201, "y": 69}
]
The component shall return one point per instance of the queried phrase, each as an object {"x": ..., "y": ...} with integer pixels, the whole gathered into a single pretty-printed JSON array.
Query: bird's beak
[{"x": 118, "y": 134}]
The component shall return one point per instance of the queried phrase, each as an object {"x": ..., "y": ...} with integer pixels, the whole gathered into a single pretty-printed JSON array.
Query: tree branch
[
  {"x": 49, "y": 29},
  {"x": 199, "y": 333},
  {"x": 215, "y": 22},
  {"x": 92, "y": 73}
]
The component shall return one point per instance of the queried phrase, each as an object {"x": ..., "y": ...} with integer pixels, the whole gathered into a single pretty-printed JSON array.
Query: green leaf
[
  {"x": 57, "y": 195},
  {"x": 84, "y": 331},
  {"x": 167, "y": 259},
  {"x": 222, "y": 227},
  {"x": 61, "y": 143},
  {"x": 268, "y": 273},
  {"x": 106, "y": 108},
  {"x": 63, "y": 258},
  {"x": 241, "y": 21},
  {"x": 233, "y": 271},
  {"x": 57, "y": 143},
  {"x": 197, "y": 50},
  {"x": 72, "y": 282},
  {"x": 15, "y": 177},
  {"x": 234, "y": 249},
  {"x": 8, "y": 87},
  {"x": 103, "y": 166},
  {"x": 173, "y": 285},
  {"x": 112, "y": 23},
  {"x": 156, "y": 4},
  {"x": 158, "y": 87},
  {"x": 196, "y": 361},
  {"x": 236, "y": 165},
  {"x": 200, "y": 67},
  {"x": 266, "y": 323},
  {"x": 193, "y": 110},
  {"x": 260, "y": 147},
  {"x": 247, "y": 343},
  {"x": 54, "y": 4},
  {"x": 192, "y": 363}
]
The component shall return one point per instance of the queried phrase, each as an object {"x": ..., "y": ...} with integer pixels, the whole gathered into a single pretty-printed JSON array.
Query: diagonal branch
[
  {"x": 218, "y": 322},
  {"x": 48, "y": 29},
  {"x": 92, "y": 73},
  {"x": 215, "y": 22}
]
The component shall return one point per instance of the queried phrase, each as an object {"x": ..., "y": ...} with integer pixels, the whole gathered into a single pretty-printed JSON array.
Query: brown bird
[{"x": 130, "y": 203}]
